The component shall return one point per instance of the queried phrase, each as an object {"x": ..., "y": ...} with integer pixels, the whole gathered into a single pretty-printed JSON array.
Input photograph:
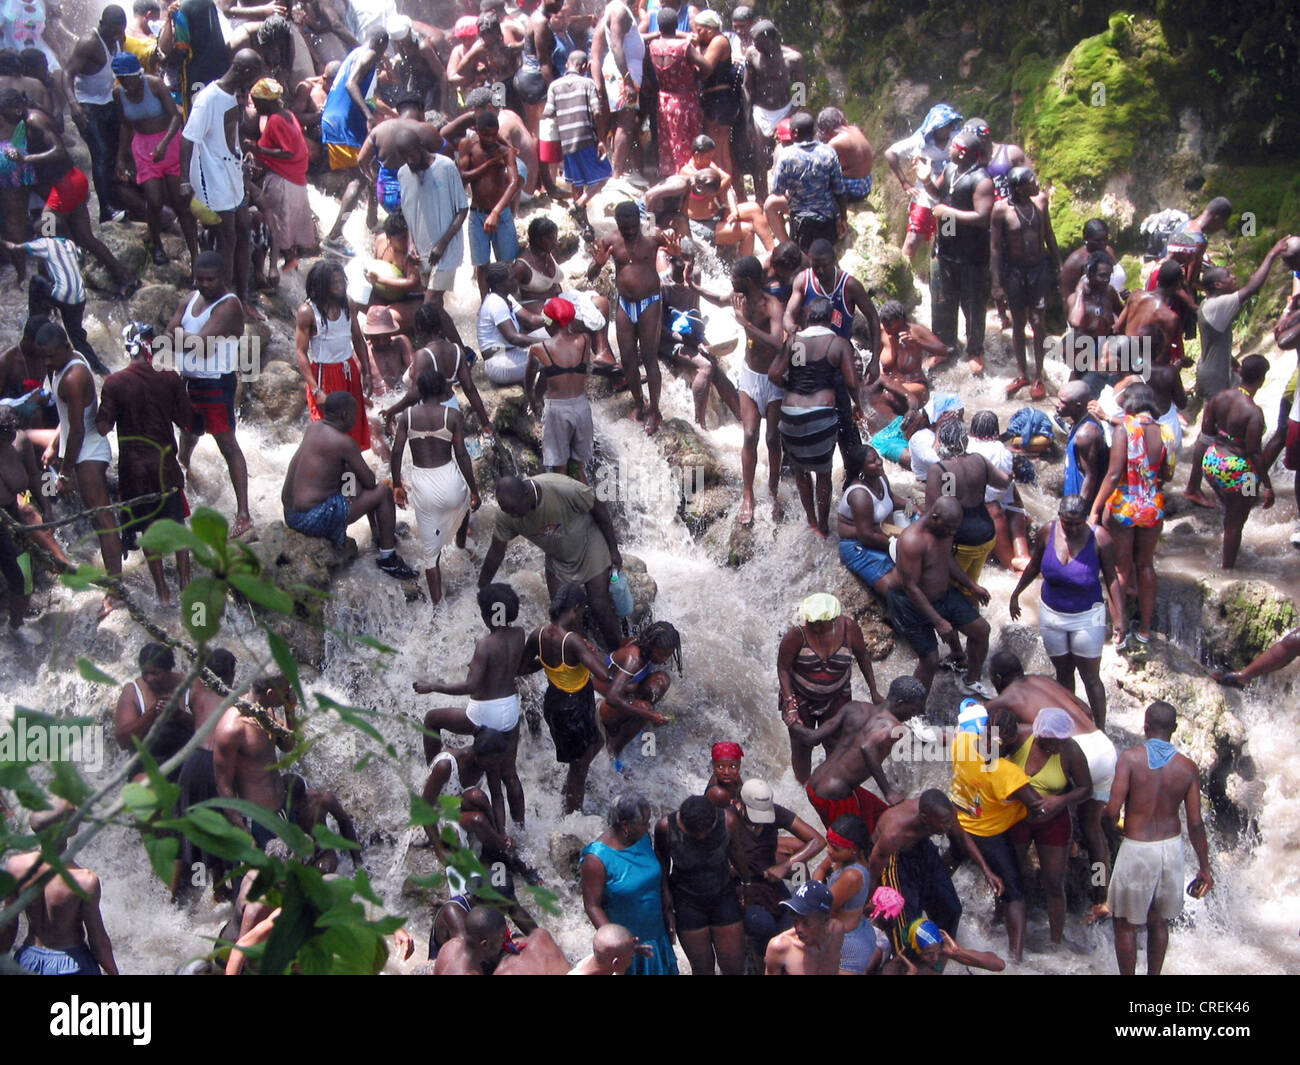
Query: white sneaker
[{"x": 977, "y": 688}]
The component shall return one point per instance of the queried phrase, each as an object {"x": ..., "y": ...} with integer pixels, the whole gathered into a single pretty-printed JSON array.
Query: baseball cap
[
  {"x": 757, "y": 797},
  {"x": 785, "y": 131},
  {"x": 812, "y": 897}
]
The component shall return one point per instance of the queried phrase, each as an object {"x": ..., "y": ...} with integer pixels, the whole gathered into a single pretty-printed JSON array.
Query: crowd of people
[{"x": 447, "y": 120}]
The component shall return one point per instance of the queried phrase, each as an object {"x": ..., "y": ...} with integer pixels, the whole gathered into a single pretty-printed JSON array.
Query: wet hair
[
  {"x": 661, "y": 636},
  {"x": 222, "y": 663},
  {"x": 906, "y": 689},
  {"x": 1161, "y": 716},
  {"x": 1220, "y": 207},
  {"x": 211, "y": 260},
  {"x": 698, "y": 815},
  {"x": 10, "y": 66},
  {"x": 489, "y": 743},
  {"x": 747, "y": 268},
  {"x": 410, "y": 99},
  {"x": 496, "y": 274},
  {"x": 1074, "y": 507},
  {"x": 820, "y": 248},
  {"x": 340, "y": 407},
  {"x": 626, "y": 209},
  {"x": 829, "y": 119},
  {"x": 984, "y": 425},
  {"x": 626, "y": 808},
  {"x": 707, "y": 179},
  {"x": 1138, "y": 398},
  {"x": 1003, "y": 724},
  {"x": 1170, "y": 273},
  {"x": 143, "y": 7},
  {"x": 51, "y": 335},
  {"x": 487, "y": 122},
  {"x": 1254, "y": 368},
  {"x": 395, "y": 226},
  {"x": 9, "y": 423},
  {"x": 494, "y": 594},
  {"x": 787, "y": 255},
  {"x": 803, "y": 126},
  {"x": 952, "y": 437},
  {"x": 428, "y": 319},
  {"x": 1214, "y": 276},
  {"x": 271, "y": 684},
  {"x": 933, "y": 801},
  {"x": 853, "y": 461},
  {"x": 275, "y": 30},
  {"x": 320, "y": 281},
  {"x": 1020, "y": 175},
  {"x": 539, "y": 229},
  {"x": 817, "y": 312},
  {"x": 1095, "y": 229},
  {"x": 12, "y": 100},
  {"x": 892, "y": 311},
  {"x": 667, "y": 21},
  {"x": 157, "y": 656},
  {"x": 570, "y": 595},
  {"x": 113, "y": 15},
  {"x": 703, "y": 143},
  {"x": 1095, "y": 261},
  {"x": 488, "y": 22},
  {"x": 854, "y": 829},
  {"x": 743, "y": 12},
  {"x": 477, "y": 99},
  {"x": 1006, "y": 664},
  {"x": 484, "y": 922},
  {"x": 431, "y": 382}
]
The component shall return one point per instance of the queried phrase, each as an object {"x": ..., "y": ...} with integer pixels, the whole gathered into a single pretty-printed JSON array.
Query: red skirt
[{"x": 341, "y": 377}]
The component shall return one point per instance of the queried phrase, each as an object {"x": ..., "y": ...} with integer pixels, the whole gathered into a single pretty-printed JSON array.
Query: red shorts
[
  {"x": 1054, "y": 832},
  {"x": 860, "y": 804},
  {"x": 1291, "y": 459},
  {"x": 920, "y": 220},
  {"x": 213, "y": 400},
  {"x": 69, "y": 192}
]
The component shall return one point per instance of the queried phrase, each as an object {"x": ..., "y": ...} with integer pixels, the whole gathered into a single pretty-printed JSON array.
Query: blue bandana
[
  {"x": 1159, "y": 752},
  {"x": 940, "y": 115}
]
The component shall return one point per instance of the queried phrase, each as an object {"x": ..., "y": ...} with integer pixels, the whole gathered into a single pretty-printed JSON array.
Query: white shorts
[
  {"x": 759, "y": 388},
  {"x": 1082, "y": 634},
  {"x": 1147, "y": 876},
  {"x": 767, "y": 121},
  {"x": 1101, "y": 756},
  {"x": 501, "y": 714},
  {"x": 438, "y": 280},
  {"x": 506, "y": 366}
]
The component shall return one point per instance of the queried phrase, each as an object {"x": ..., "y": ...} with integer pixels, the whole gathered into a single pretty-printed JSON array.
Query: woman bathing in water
[{"x": 635, "y": 685}]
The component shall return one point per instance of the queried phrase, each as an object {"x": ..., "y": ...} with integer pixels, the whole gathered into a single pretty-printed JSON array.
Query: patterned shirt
[
  {"x": 809, "y": 174},
  {"x": 572, "y": 101},
  {"x": 62, "y": 261}
]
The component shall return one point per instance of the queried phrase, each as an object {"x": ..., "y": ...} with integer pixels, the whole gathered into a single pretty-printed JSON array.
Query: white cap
[
  {"x": 399, "y": 28},
  {"x": 757, "y": 797}
]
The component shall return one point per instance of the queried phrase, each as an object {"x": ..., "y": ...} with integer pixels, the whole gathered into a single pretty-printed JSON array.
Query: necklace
[{"x": 1025, "y": 219}]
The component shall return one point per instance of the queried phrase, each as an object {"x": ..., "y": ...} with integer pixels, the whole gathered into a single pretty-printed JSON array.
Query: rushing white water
[{"x": 731, "y": 621}]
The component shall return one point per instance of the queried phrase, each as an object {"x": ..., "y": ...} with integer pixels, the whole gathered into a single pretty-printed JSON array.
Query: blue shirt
[{"x": 809, "y": 174}]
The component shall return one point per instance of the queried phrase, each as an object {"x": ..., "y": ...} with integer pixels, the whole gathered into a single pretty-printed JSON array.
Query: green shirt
[{"x": 562, "y": 526}]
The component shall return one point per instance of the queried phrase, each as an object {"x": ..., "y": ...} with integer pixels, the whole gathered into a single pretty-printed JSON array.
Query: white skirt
[{"x": 440, "y": 497}]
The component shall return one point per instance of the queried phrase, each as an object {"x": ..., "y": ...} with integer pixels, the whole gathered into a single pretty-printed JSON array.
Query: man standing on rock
[
  {"x": 808, "y": 175},
  {"x": 1151, "y": 783},
  {"x": 772, "y": 73},
  {"x": 206, "y": 330},
  {"x": 574, "y": 530},
  {"x": 853, "y": 149},
  {"x": 759, "y": 315},
  {"x": 328, "y": 486}
]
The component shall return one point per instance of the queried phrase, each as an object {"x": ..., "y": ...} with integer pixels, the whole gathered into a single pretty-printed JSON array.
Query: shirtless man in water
[
  {"x": 1152, "y": 783},
  {"x": 771, "y": 73},
  {"x": 487, "y": 163},
  {"x": 640, "y": 308},
  {"x": 1023, "y": 259},
  {"x": 904, "y": 346},
  {"x": 759, "y": 315},
  {"x": 486, "y": 949},
  {"x": 65, "y": 930},
  {"x": 712, "y": 201},
  {"x": 328, "y": 486},
  {"x": 490, "y": 683},
  {"x": 853, "y": 149},
  {"x": 244, "y": 755},
  {"x": 1167, "y": 306},
  {"x": 812, "y": 947}
]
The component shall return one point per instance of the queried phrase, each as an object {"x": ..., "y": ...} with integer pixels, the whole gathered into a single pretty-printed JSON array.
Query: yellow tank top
[
  {"x": 1051, "y": 779},
  {"x": 565, "y": 677}
]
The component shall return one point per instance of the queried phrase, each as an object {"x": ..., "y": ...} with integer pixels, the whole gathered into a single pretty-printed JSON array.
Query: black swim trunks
[
  {"x": 706, "y": 911},
  {"x": 1027, "y": 287},
  {"x": 915, "y": 627}
]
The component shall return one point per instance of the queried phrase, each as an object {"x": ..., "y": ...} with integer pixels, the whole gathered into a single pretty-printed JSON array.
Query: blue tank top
[
  {"x": 142, "y": 110},
  {"x": 1074, "y": 476},
  {"x": 841, "y": 316},
  {"x": 858, "y": 901},
  {"x": 342, "y": 122}
]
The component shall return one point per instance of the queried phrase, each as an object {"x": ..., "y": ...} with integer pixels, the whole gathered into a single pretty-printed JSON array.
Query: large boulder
[
  {"x": 690, "y": 455},
  {"x": 126, "y": 241},
  {"x": 155, "y": 304},
  {"x": 1222, "y": 626},
  {"x": 644, "y": 589},
  {"x": 276, "y": 395},
  {"x": 877, "y": 261},
  {"x": 305, "y": 567}
]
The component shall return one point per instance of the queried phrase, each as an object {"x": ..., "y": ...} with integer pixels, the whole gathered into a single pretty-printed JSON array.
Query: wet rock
[
  {"x": 740, "y": 545},
  {"x": 277, "y": 395},
  {"x": 643, "y": 586},
  {"x": 1245, "y": 618},
  {"x": 127, "y": 243},
  {"x": 876, "y": 261},
  {"x": 155, "y": 304},
  {"x": 565, "y": 850},
  {"x": 704, "y": 508},
  {"x": 869, "y": 612},
  {"x": 686, "y": 451},
  {"x": 305, "y": 567}
]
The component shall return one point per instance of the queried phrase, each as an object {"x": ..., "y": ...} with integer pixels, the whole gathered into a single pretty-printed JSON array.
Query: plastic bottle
[{"x": 621, "y": 594}]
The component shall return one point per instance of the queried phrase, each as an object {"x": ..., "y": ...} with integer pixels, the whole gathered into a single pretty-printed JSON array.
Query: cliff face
[{"x": 1163, "y": 104}]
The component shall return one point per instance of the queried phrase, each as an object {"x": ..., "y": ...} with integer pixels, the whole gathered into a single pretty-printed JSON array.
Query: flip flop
[{"x": 1016, "y": 386}]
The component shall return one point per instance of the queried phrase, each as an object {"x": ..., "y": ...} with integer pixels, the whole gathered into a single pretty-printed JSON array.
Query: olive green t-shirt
[{"x": 562, "y": 526}]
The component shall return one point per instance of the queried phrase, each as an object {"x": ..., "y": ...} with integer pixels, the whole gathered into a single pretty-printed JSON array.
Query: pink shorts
[{"x": 142, "y": 147}]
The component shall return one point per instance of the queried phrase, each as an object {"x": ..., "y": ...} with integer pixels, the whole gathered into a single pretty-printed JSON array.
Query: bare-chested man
[
  {"x": 1093, "y": 307},
  {"x": 244, "y": 754},
  {"x": 327, "y": 462},
  {"x": 381, "y": 155},
  {"x": 617, "y": 59},
  {"x": 515, "y": 133},
  {"x": 65, "y": 930},
  {"x": 198, "y": 778},
  {"x": 640, "y": 308},
  {"x": 905, "y": 350},
  {"x": 485, "y": 949},
  {"x": 853, "y": 148},
  {"x": 613, "y": 950},
  {"x": 1023, "y": 257},
  {"x": 491, "y": 59},
  {"x": 1169, "y": 306},
  {"x": 759, "y": 315},
  {"x": 490, "y": 683},
  {"x": 932, "y": 603},
  {"x": 717, "y": 216},
  {"x": 867, "y": 734},
  {"x": 487, "y": 163},
  {"x": 1152, "y": 782},
  {"x": 772, "y": 71},
  {"x": 1096, "y": 237},
  {"x": 309, "y": 807},
  {"x": 20, "y": 474},
  {"x": 812, "y": 947}
]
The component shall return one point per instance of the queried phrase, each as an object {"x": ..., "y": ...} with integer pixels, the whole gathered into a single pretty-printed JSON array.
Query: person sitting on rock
[{"x": 328, "y": 486}]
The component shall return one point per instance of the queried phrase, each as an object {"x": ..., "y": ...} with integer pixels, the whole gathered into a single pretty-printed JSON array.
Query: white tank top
[
  {"x": 881, "y": 508},
  {"x": 94, "y": 448},
  {"x": 97, "y": 88},
  {"x": 453, "y": 785},
  {"x": 333, "y": 340},
  {"x": 218, "y": 355}
]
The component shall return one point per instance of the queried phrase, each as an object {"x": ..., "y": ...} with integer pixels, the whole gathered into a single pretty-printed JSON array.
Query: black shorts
[
  {"x": 571, "y": 717},
  {"x": 707, "y": 911},
  {"x": 1027, "y": 287},
  {"x": 806, "y": 228},
  {"x": 915, "y": 627},
  {"x": 531, "y": 86},
  {"x": 1000, "y": 853}
]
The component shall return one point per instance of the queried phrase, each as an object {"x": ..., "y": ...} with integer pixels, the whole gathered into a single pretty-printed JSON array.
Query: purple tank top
[{"x": 1075, "y": 586}]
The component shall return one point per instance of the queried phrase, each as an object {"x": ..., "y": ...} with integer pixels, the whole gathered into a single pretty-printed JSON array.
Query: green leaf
[
  {"x": 422, "y": 813},
  {"x": 327, "y": 840},
  {"x": 211, "y": 528},
  {"x": 13, "y": 777},
  {"x": 262, "y": 591},
  {"x": 283, "y": 655},
  {"x": 162, "y": 854},
  {"x": 211, "y": 832},
  {"x": 83, "y": 578},
  {"x": 166, "y": 537},
  {"x": 91, "y": 672},
  {"x": 67, "y": 783},
  {"x": 356, "y": 717},
  {"x": 140, "y": 799},
  {"x": 203, "y": 602},
  {"x": 362, "y": 882},
  {"x": 168, "y": 794},
  {"x": 297, "y": 840},
  {"x": 290, "y": 934}
]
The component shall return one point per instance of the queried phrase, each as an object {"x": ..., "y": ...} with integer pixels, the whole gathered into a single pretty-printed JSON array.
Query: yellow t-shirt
[
  {"x": 144, "y": 49},
  {"x": 981, "y": 791}
]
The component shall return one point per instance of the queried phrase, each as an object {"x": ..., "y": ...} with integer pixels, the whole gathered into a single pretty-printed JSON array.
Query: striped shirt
[
  {"x": 572, "y": 102},
  {"x": 62, "y": 261}
]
